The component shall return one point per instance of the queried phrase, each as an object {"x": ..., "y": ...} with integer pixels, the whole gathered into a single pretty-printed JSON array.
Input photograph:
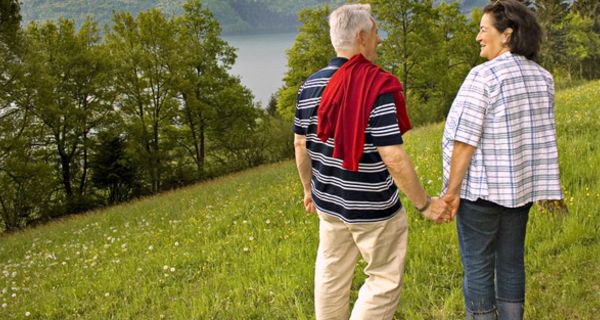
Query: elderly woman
[{"x": 499, "y": 156}]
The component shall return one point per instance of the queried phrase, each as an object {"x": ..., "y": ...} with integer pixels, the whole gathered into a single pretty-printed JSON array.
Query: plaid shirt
[{"x": 505, "y": 109}]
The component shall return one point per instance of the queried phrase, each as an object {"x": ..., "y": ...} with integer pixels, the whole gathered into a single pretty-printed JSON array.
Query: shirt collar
[{"x": 337, "y": 61}]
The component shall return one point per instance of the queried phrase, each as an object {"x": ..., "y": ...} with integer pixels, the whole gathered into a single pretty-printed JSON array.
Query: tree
[
  {"x": 430, "y": 48},
  {"x": 14, "y": 117},
  {"x": 28, "y": 185},
  {"x": 67, "y": 70},
  {"x": 144, "y": 52},
  {"x": 272, "y": 106},
  {"x": 551, "y": 14},
  {"x": 205, "y": 59},
  {"x": 113, "y": 169},
  {"x": 10, "y": 22},
  {"x": 590, "y": 10},
  {"x": 310, "y": 52}
]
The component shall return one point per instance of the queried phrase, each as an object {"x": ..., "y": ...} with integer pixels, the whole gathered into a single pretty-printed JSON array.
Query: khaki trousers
[{"x": 382, "y": 245}]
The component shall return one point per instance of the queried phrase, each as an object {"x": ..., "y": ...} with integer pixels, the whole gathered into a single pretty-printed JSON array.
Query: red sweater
[{"x": 346, "y": 105}]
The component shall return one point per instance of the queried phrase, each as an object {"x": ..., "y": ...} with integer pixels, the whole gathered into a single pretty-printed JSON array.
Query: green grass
[{"x": 241, "y": 247}]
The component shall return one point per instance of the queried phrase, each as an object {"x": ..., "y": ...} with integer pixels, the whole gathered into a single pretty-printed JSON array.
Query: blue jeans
[{"x": 492, "y": 240}]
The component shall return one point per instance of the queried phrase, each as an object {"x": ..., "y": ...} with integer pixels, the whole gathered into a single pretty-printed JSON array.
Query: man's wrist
[{"x": 424, "y": 206}]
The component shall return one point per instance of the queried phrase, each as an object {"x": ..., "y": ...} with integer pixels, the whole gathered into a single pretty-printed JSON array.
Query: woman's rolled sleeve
[{"x": 466, "y": 118}]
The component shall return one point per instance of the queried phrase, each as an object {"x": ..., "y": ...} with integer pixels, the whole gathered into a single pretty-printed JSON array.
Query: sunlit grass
[{"x": 241, "y": 247}]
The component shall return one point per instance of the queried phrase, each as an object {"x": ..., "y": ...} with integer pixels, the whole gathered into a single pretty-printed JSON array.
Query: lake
[{"x": 261, "y": 62}]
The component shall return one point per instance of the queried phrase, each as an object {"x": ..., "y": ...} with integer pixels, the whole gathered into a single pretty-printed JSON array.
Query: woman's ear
[{"x": 506, "y": 36}]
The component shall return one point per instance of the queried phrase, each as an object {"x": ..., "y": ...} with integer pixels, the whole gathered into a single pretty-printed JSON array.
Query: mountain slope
[{"x": 235, "y": 16}]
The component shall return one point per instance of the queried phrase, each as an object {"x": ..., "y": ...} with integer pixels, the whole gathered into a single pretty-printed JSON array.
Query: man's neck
[{"x": 346, "y": 54}]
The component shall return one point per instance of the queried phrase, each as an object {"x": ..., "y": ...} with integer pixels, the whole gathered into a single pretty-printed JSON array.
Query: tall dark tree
[
  {"x": 272, "y": 106},
  {"x": 10, "y": 21},
  {"x": 113, "y": 169}
]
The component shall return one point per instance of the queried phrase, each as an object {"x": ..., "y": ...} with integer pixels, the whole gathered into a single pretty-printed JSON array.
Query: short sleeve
[
  {"x": 302, "y": 115},
  {"x": 383, "y": 122},
  {"x": 466, "y": 117}
]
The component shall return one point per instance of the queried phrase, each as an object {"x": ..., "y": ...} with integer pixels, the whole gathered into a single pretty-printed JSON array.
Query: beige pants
[{"x": 382, "y": 245}]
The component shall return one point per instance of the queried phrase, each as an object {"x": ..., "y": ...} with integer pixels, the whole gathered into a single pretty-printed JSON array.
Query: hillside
[
  {"x": 241, "y": 247},
  {"x": 235, "y": 16}
]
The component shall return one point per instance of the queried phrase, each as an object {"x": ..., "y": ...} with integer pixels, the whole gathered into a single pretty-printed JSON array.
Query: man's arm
[
  {"x": 400, "y": 167},
  {"x": 303, "y": 163},
  {"x": 461, "y": 159}
]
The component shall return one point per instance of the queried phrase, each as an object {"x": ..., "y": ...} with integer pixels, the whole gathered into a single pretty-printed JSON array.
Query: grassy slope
[{"x": 241, "y": 247}]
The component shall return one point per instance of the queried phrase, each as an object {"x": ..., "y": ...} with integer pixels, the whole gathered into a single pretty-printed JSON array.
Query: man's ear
[{"x": 360, "y": 38}]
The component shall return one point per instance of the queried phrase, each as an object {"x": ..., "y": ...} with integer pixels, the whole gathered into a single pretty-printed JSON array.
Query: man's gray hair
[{"x": 346, "y": 21}]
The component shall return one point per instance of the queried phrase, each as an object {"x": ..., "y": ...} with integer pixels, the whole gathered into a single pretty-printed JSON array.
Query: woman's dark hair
[{"x": 527, "y": 33}]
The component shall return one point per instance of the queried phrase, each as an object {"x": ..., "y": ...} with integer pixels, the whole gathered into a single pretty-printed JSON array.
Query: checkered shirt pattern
[{"x": 505, "y": 109}]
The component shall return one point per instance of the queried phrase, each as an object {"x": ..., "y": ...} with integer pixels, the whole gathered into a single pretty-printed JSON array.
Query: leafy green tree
[
  {"x": 205, "y": 59},
  {"x": 590, "y": 10},
  {"x": 144, "y": 51},
  {"x": 67, "y": 70},
  {"x": 430, "y": 48},
  {"x": 28, "y": 186},
  {"x": 13, "y": 116},
  {"x": 310, "y": 52},
  {"x": 551, "y": 14},
  {"x": 581, "y": 44}
]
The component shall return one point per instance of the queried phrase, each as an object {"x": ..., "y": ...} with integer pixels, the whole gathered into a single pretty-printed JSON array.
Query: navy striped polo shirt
[{"x": 367, "y": 195}]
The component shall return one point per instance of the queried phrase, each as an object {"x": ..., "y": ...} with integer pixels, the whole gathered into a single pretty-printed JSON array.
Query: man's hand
[
  {"x": 309, "y": 206},
  {"x": 454, "y": 201},
  {"x": 438, "y": 211}
]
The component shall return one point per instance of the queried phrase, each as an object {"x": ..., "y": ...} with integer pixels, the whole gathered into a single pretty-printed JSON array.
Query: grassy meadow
[{"x": 241, "y": 247}]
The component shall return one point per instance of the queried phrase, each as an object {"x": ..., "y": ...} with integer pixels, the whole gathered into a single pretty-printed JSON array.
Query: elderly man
[{"x": 348, "y": 127}]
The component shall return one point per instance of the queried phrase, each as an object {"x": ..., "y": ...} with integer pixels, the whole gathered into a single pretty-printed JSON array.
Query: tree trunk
[
  {"x": 156, "y": 159},
  {"x": 66, "y": 173},
  {"x": 85, "y": 165},
  {"x": 198, "y": 159}
]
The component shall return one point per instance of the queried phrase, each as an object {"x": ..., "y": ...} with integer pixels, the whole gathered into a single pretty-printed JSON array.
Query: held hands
[
  {"x": 454, "y": 201},
  {"x": 439, "y": 211}
]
